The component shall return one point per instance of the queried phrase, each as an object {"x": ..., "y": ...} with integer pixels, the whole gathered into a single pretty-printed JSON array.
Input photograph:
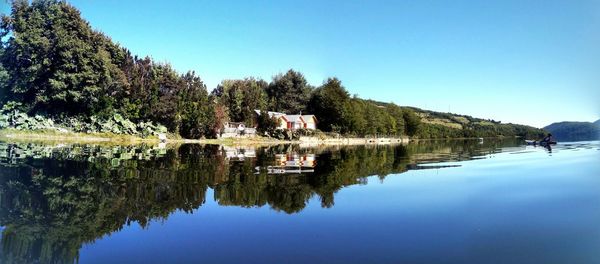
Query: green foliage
[
  {"x": 328, "y": 104},
  {"x": 13, "y": 116},
  {"x": 265, "y": 123},
  {"x": 3, "y": 73},
  {"x": 196, "y": 111},
  {"x": 289, "y": 93},
  {"x": 412, "y": 122},
  {"x": 55, "y": 61},
  {"x": 241, "y": 98},
  {"x": 473, "y": 130},
  {"x": 337, "y": 112},
  {"x": 365, "y": 118},
  {"x": 55, "y": 64}
]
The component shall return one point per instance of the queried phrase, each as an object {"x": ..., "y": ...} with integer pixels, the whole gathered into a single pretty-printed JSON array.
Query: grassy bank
[
  {"x": 109, "y": 138},
  {"x": 72, "y": 137},
  {"x": 53, "y": 135}
]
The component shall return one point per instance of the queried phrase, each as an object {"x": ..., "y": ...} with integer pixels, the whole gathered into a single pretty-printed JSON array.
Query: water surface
[{"x": 431, "y": 202}]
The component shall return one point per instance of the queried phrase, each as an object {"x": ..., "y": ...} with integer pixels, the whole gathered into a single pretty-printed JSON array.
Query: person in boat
[{"x": 547, "y": 139}]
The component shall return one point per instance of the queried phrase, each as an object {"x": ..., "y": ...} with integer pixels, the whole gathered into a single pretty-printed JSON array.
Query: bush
[{"x": 12, "y": 115}]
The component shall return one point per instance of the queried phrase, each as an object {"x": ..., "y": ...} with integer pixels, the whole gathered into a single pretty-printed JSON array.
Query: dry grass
[
  {"x": 485, "y": 123},
  {"x": 443, "y": 122},
  {"x": 461, "y": 119}
]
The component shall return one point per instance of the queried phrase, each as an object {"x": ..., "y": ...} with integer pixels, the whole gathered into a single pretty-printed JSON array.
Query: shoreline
[
  {"x": 71, "y": 137},
  {"x": 107, "y": 138}
]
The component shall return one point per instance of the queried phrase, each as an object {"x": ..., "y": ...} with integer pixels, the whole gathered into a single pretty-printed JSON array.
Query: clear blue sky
[{"x": 530, "y": 62}]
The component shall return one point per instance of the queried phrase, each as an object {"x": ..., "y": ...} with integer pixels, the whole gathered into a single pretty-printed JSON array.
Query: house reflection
[
  {"x": 282, "y": 163},
  {"x": 293, "y": 163},
  {"x": 238, "y": 153}
]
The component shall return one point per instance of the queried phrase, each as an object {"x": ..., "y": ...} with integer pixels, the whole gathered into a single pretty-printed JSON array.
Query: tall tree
[
  {"x": 396, "y": 113},
  {"x": 242, "y": 97},
  {"x": 196, "y": 111},
  {"x": 3, "y": 74},
  {"x": 289, "y": 92},
  {"x": 412, "y": 122},
  {"x": 327, "y": 103},
  {"x": 55, "y": 61}
]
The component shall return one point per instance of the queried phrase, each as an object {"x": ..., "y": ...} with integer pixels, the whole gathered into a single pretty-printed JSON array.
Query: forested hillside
[
  {"x": 57, "y": 72},
  {"x": 437, "y": 124},
  {"x": 575, "y": 131}
]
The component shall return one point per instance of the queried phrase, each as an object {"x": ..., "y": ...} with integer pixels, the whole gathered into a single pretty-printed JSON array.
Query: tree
[
  {"x": 412, "y": 122},
  {"x": 289, "y": 92},
  {"x": 196, "y": 111},
  {"x": 355, "y": 118},
  {"x": 328, "y": 102},
  {"x": 3, "y": 74},
  {"x": 266, "y": 123},
  {"x": 397, "y": 114},
  {"x": 242, "y": 97},
  {"x": 164, "y": 98},
  {"x": 55, "y": 61}
]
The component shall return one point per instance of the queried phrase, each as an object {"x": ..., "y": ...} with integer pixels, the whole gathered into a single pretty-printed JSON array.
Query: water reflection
[{"x": 55, "y": 198}]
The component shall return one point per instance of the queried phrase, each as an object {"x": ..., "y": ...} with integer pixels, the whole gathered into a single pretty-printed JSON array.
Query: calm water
[{"x": 433, "y": 202}]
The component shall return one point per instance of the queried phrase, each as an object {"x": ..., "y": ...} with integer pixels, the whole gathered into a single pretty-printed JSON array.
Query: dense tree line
[
  {"x": 56, "y": 65},
  {"x": 336, "y": 111}
]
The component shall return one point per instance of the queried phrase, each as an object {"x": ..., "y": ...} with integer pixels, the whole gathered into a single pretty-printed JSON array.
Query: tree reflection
[{"x": 54, "y": 199}]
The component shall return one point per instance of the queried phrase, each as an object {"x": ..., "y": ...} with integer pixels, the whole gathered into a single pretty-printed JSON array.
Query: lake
[{"x": 457, "y": 201}]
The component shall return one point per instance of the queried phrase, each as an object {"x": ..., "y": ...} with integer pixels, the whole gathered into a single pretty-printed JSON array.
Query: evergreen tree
[
  {"x": 289, "y": 92},
  {"x": 328, "y": 103},
  {"x": 196, "y": 111}
]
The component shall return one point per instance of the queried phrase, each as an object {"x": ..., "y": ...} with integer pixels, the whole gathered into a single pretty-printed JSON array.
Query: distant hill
[{"x": 575, "y": 131}]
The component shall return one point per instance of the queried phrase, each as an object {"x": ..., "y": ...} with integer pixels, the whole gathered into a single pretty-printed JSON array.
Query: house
[
  {"x": 236, "y": 129},
  {"x": 292, "y": 122},
  {"x": 301, "y": 121},
  {"x": 310, "y": 121}
]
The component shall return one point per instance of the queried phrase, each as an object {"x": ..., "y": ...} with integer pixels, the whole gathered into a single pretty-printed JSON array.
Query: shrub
[{"x": 12, "y": 115}]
